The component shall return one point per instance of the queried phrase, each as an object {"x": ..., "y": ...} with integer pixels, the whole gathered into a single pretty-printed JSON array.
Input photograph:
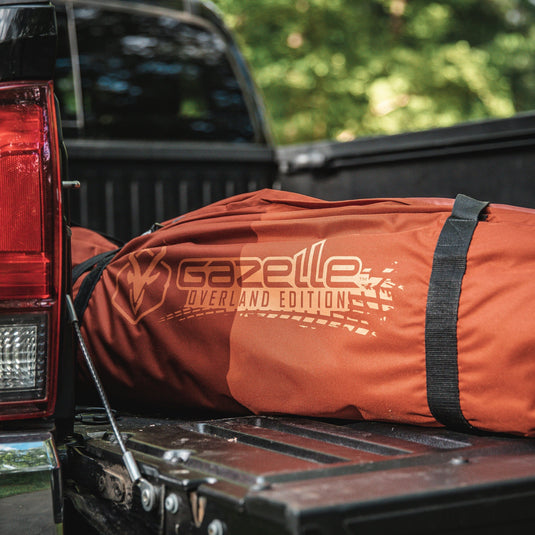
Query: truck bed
[{"x": 280, "y": 475}]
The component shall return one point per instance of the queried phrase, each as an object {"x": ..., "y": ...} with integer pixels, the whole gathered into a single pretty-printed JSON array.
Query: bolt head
[
  {"x": 149, "y": 495},
  {"x": 172, "y": 503},
  {"x": 145, "y": 496},
  {"x": 216, "y": 527}
]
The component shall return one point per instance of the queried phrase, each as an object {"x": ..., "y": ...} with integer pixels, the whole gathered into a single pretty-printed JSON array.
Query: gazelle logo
[
  {"x": 308, "y": 287},
  {"x": 306, "y": 269},
  {"x": 147, "y": 281}
]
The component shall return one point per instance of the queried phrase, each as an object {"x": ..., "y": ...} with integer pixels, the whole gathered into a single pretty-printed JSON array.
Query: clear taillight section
[
  {"x": 23, "y": 356},
  {"x": 30, "y": 250}
]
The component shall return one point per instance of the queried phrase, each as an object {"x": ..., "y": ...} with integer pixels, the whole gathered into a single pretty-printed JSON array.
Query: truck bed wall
[
  {"x": 491, "y": 160},
  {"x": 126, "y": 187}
]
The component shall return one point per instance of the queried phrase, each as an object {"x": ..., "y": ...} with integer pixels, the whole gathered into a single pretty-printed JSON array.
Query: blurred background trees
[{"x": 342, "y": 69}]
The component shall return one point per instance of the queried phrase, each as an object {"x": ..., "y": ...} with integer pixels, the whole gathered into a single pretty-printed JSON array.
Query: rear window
[{"x": 142, "y": 76}]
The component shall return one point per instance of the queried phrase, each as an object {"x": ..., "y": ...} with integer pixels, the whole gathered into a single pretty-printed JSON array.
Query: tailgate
[{"x": 275, "y": 475}]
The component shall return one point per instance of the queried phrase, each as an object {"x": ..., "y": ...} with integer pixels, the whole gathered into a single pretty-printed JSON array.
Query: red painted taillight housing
[{"x": 30, "y": 250}]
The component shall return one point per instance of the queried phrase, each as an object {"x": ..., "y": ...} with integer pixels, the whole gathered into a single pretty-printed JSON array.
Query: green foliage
[{"x": 350, "y": 68}]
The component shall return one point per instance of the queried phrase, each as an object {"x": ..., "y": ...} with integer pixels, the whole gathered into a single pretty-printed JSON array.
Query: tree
[{"x": 350, "y": 68}]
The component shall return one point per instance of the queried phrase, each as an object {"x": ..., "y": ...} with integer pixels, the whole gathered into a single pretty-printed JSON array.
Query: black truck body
[{"x": 262, "y": 475}]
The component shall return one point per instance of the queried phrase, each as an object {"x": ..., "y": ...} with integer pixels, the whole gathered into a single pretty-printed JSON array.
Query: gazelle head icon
[{"x": 141, "y": 284}]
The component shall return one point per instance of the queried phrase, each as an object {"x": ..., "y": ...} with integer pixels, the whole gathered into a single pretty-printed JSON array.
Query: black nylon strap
[
  {"x": 88, "y": 284},
  {"x": 449, "y": 266},
  {"x": 87, "y": 265}
]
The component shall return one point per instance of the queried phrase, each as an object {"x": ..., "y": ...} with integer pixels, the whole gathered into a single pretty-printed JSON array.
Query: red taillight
[{"x": 30, "y": 250}]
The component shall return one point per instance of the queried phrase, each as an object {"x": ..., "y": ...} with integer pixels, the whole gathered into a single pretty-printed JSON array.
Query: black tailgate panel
[{"x": 298, "y": 476}]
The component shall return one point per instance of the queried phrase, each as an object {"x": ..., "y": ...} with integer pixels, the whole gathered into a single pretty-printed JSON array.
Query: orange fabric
[
  {"x": 87, "y": 243},
  {"x": 273, "y": 302}
]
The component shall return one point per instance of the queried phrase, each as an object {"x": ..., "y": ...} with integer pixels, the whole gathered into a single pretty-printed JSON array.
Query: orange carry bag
[{"x": 409, "y": 310}]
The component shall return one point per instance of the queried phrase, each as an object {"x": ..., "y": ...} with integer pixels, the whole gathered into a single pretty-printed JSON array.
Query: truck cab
[{"x": 157, "y": 106}]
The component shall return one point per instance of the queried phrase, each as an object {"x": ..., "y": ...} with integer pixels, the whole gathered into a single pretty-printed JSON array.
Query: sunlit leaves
[{"x": 350, "y": 68}]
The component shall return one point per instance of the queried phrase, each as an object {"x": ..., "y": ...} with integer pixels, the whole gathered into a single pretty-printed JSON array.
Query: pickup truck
[{"x": 68, "y": 469}]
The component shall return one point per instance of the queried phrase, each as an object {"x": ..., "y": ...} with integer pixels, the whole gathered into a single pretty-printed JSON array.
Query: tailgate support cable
[{"x": 148, "y": 491}]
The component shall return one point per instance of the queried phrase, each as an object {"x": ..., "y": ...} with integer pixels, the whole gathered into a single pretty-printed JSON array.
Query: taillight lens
[{"x": 30, "y": 250}]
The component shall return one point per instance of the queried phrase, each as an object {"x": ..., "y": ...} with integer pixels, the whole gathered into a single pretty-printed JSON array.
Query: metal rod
[{"x": 128, "y": 458}]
